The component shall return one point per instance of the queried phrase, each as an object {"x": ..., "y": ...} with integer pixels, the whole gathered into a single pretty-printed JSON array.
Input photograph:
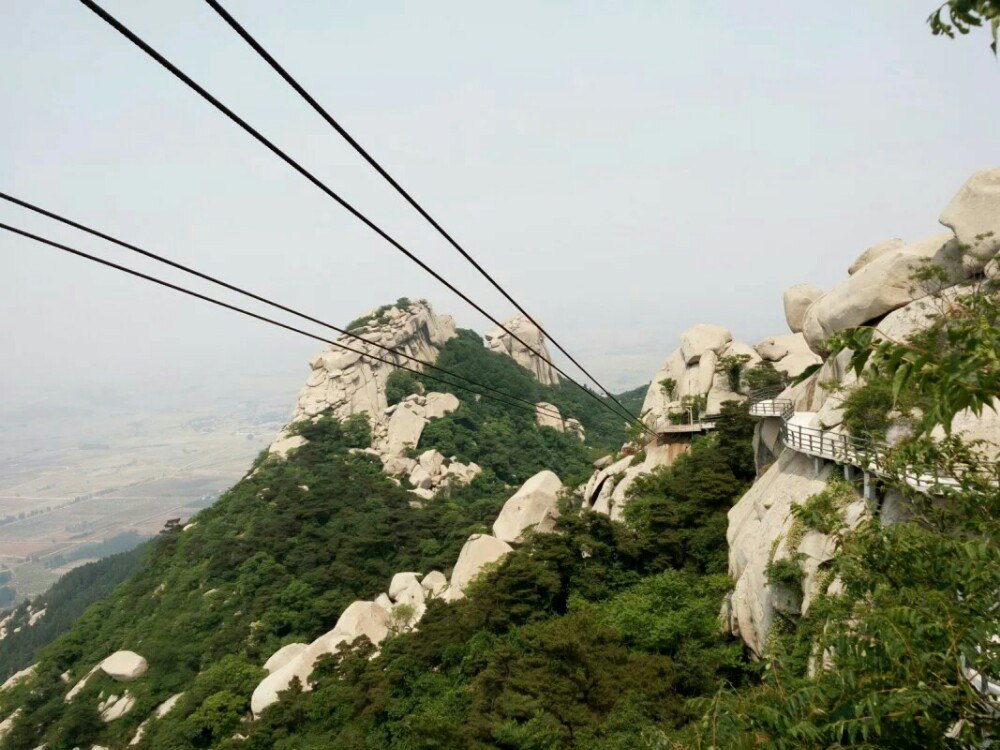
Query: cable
[
  {"x": 187, "y": 80},
  {"x": 290, "y": 80},
  {"x": 257, "y": 297},
  {"x": 242, "y": 311}
]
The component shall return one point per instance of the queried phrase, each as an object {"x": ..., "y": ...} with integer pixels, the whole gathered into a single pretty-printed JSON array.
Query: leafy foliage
[
  {"x": 399, "y": 385},
  {"x": 952, "y": 365},
  {"x": 964, "y": 15}
]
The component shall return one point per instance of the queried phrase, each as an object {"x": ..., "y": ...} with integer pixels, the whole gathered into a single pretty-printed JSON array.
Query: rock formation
[
  {"x": 348, "y": 383},
  {"x": 691, "y": 371},
  {"x": 344, "y": 383},
  {"x": 789, "y": 353},
  {"x": 548, "y": 415},
  {"x": 878, "y": 291},
  {"x": 479, "y": 551},
  {"x": 498, "y": 340},
  {"x": 880, "y": 279},
  {"x": 534, "y": 506},
  {"x": 796, "y": 301}
]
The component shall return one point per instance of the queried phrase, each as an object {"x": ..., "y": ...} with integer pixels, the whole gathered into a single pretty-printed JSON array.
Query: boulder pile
[
  {"x": 880, "y": 291},
  {"x": 690, "y": 371},
  {"x": 533, "y": 506},
  {"x": 880, "y": 280}
]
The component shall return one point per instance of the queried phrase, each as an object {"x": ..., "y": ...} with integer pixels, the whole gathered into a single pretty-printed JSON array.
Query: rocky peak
[
  {"x": 349, "y": 383},
  {"x": 498, "y": 340}
]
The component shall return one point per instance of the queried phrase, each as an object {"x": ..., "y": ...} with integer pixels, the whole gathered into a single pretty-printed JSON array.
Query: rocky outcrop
[
  {"x": 534, "y": 506},
  {"x": 283, "y": 655},
  {"x": 479, "y": 551},
  {"x": 7, "y": 724},
  {"x": 344, "y": 383},
  {"x": 158, "y": 713},
  {"x": 759, "y": 521},
  {"x": 796, "y": 301},
  {"x": 398, "y": 610},
  {"x": 691, "y": 370},
  {"x": 18, "y": 677},
  {"x": 359, "y": 619},
  {"x": 501, "y": 342},
  {"x": 548, "y": 415},
  {"x": 788, "y": 353},
  {"x": 347, "y": 383},
  {"x": 878, "y": 287},
  {"x": 124, "y": 666},
  {"x": 881, "y": 279},
  {"x": 114, "y": 707},
  {"x": 702, "y": 338},
  {"x": 875, "y": 252},
  {"x": 879, "y": 291},
  {"x": 974, "y": 216}
]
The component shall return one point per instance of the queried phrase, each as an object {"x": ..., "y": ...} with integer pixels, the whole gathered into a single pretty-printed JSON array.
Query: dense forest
[{"x": 63, "y": 603}]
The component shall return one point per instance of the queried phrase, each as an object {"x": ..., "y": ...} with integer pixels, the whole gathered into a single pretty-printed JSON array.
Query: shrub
[
  {"x": 731, "y": 365},
  {"x": 821, "y": 512},
  {"x": 400, "y": 384},
  {"x": 763, "y": 375},
  {"x": 786, "y": 572}
]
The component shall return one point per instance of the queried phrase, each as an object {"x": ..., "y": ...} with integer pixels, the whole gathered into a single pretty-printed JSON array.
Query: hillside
[
  {"x": 36, "y": 623},
  {"x": 800, "y": 550}
]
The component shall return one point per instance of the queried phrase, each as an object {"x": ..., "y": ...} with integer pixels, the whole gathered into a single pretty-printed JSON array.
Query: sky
[{"x": 625, "y": 169}]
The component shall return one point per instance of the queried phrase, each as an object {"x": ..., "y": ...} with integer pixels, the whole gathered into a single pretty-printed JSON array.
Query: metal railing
[{"x": 865, "y": 453}]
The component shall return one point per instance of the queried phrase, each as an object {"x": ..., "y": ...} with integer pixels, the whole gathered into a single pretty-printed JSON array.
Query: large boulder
[
  {"x": 703, "y": 337},
  {"x": 405, "y": 427},
  {"x": 874, "y": 252},
  {"x": 758, "y": 524},
  {"x": 501, "y": 342},
  {"x": 534, "y": 506},
  {"x": 440, "y": 404},
  {"x": 360, "y": 618},
  {"x": 547, "y": 415},
  {"x": 364, "y": 619},
  {"x": 434, "y": 583},
  {"x": 283, "y": 655},
  {"x": 124, "y": 666},
  {"x": 657, "y": 401},
  {"x": 788, "y": 353},
  {"x": 479, "y": 551},
  {"x": 974, "y": 216},
  {"x": 796, "y": 301},
  {"x": 881, "y": 286}
]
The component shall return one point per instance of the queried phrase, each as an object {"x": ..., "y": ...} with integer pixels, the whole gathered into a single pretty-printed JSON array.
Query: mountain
[{"x": 798, "y": 548}]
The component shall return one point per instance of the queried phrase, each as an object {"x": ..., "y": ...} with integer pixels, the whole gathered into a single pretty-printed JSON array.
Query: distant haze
[{"x": 628, "y": 169}]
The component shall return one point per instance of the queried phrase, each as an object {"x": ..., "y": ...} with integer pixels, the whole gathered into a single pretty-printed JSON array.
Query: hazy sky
[{"x": 627, "y": 169}]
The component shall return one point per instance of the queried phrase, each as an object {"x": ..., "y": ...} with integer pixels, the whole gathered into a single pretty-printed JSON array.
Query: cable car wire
[
  {"x": 251, "y": 314},
  {"x": 291, "y": 81},
  {"x": 201, "y": 91}
]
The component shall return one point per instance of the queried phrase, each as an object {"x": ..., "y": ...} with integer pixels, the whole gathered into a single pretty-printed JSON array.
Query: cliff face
[
  {"x": 501, "y": 342},
  {"x": 349, "y": 383},
  {"x": 879, "y": 291}
]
